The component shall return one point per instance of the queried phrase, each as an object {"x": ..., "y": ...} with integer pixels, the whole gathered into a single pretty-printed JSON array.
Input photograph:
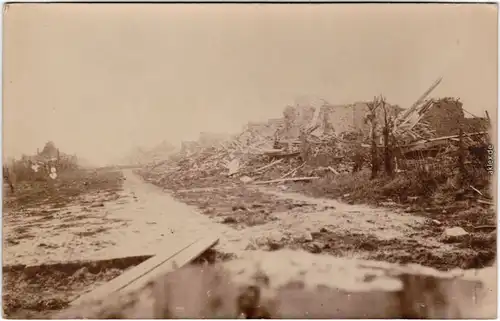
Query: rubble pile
[
  {"x": 272, "y": 150},
  {"x": 314, "y": 140},
  {"x": 296, "y": 147},
  {"x": 476, "y": 124}
]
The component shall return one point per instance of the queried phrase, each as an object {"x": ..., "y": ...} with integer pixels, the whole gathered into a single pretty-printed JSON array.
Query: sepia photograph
[{"x": 249, "y": 160}]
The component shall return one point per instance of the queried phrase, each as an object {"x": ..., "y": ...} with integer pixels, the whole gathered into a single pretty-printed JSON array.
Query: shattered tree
[
  {"x": 389, "y": 140},
  {"x": 372, "y": 119}
]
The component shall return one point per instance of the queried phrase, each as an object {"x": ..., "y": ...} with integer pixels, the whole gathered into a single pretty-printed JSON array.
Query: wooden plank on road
[
  {"x": 180, "y": 260},
  {"x": 177, "y": 255}
]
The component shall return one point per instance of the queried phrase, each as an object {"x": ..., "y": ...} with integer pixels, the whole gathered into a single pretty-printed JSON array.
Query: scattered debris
[
  {"x": 296, "y": 179},
  {"x": 246, "y": 179},
  {"x": 233, "y": 166},
  {"x": 436, "y": 222},
  {"x": 485, "y": 227},
  {"x": 454, "y": 234},
  {"x": 302, "y": 236},
  {"x": 315, "y": 247},
  {"x": 485, "y": 202},
  {"x": 333, "y": 170},
  {"x": 476, "y": 190},
  {"x": 269, "y": 165},
  {"x": 293, "y": 171},
  {"x": 389, "y": 204}
]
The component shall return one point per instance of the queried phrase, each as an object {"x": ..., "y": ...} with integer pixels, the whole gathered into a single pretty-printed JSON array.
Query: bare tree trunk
[
  {"x": 461, "y": 156},
  {"x": 387, "y": 156},
  {"x": 304, "y": 146},
  {"x": 373, "y": 121},
  {"x": 388, "y": 142},
  {"x": 375, "y": 164}
]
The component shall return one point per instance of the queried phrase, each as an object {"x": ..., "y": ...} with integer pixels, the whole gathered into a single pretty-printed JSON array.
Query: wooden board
[
  {"x": 176, "y": 255},
  {"x": 293, "y": 179}
]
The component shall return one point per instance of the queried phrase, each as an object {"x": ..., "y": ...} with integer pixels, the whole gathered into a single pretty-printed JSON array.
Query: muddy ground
[
  {"x": 64, "y": 239},
  {"x": 45, "y": 222},
  {"x": 321, "y": 225}
]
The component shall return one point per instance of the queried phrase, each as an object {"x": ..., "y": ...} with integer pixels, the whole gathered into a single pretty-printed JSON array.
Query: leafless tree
[
  {"x": 371, "y": 117},
  {"x": 389, "y": 140}
]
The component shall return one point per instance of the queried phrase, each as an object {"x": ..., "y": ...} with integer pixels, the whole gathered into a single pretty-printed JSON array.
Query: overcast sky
[{"x": 99, "y": 78}]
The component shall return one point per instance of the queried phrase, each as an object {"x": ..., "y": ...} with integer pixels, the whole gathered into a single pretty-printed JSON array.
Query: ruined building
[
  {"x": 336, "y": 119},
  {"x": 446, "y": 116}
]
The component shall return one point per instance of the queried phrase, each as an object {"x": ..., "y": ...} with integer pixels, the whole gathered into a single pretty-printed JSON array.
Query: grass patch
[{"x": 421, "y": 186}]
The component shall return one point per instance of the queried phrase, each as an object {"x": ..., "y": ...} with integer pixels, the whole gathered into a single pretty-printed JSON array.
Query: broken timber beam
[
  {"x": 290, "y": 284},
  {"x": 428, "y": 143},
  {"x": 269, "y": 165},
  {"x": 177, "y": 254},
  {"x": 281, "y": 154},
  {"x": 293, "y": 179},
  {"x": 292, "y": 172},
  {"x": 438, "y": 141}
]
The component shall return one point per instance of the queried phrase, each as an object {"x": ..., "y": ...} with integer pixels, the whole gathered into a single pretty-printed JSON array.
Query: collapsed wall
[
  {"x": 333, "y": 119},
  {"x": 445, "y": 117},
  {"x": 295, "y": 118},
  {"x": 256, "y": 132},
  {"x": 474, "y": 125},
  {"x": 338, "y": 119},
  {"x": 189, "y": 147}
]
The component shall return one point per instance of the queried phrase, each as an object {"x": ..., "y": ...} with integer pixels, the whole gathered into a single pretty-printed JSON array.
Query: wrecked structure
[
  {"x": 311, "y": 139},
  {"x": 332, "y": 119},
  {"x": 476, "y": 124},
  {"x": 445, "y": 117}
]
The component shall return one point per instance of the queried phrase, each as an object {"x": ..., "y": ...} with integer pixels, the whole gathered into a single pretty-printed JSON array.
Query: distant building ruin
[
  {"x": 444, "y": 118},
  {"x": 447, "y": 115},
  {"x": 336, "y": 119}
]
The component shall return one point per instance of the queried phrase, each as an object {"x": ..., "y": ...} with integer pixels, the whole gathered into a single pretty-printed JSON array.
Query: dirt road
[{"x": 102, "y": 225}]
